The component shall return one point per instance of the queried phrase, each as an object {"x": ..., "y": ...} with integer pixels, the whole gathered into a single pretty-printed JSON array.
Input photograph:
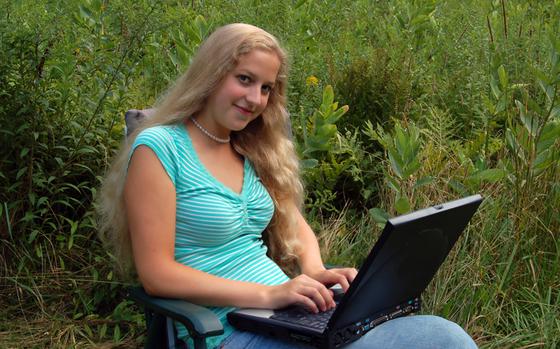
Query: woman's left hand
[{"x": 330, "y": 277}]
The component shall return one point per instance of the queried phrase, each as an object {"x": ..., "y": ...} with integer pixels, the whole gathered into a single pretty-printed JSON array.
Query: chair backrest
[{"x": 134, "y": 117}]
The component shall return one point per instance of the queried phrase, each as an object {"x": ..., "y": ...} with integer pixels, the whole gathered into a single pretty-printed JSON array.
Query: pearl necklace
[{"x": 207, "y": 133}]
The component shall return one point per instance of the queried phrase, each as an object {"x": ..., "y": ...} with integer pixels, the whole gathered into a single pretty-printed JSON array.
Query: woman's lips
[{"x": 243, "y": 110}]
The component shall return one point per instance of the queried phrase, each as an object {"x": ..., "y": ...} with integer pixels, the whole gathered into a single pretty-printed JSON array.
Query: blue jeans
[{"x": 417, "y": 332}]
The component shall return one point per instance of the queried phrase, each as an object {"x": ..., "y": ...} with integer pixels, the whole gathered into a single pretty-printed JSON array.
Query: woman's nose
[{"x": 254, "y": 95}]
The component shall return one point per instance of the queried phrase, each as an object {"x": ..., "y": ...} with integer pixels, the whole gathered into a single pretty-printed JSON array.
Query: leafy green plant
[
  {"x": 336, "y": 167},
  {"x": 320, "y": 131},
  {"x": 402, "y": 147}
]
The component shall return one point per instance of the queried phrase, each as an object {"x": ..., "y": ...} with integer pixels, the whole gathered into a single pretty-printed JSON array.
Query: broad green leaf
[
  {"x": 543, "y": 161},
  {"x": 70, "y": 242},
  {"x": 23, "y": 152},
  {"x": 495, "y": 89},
  {"x": 489, "y": 175},
  {"x": 555, "y": 112},
  {"x": 87, "y": 150},
  {"x": 419, "y": 19},
  {"x": 411, "y": 167},
  {"x": 41, "y": 201},
  {"x": 402, "y": 205},
  {"x": 88, "y": 330},
  {"x": 423, "y": 181},
  {"x": 117, "y": 334},
  {"x": 396, "y": 164},
  {"x": 73, "y": 227},
  {"x": 549, "y": 91},
  {"x": 502, "y": 74},
  {"x": 201, "y": 25},
  {"x": 59, "y": 161},
  {"x": 400, "y": 139},
  {"x": 299, "y": 4},
  {"x": 61, "y": 147},
  {"x": 309, "y": 163},
  {"x": 489, "y": 105},
  {"x": 502, "y": 105},
  {"x": 314, "y": 144},
  {"x": 174, "y": 59},
  {"x": 514, "y": 145},
  {"x": 378, "y": 215},
  {"x": 393, "y": 184},
  {"x": 326, "y": 132},
  {"x": 103, "y": 331},
  {"x": 328, "y": 96},
  {"x": 20, "y": 172},
  {"x": 337, "y": 114},
  {"x": 549, "y": 135},
  {"x": 32, "y": 236},
  {"x": 530, "y": 122},
  {"x": 86, "y": 14}
]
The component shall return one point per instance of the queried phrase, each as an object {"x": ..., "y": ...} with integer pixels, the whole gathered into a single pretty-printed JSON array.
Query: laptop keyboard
[{"x": 303, "y": 317}]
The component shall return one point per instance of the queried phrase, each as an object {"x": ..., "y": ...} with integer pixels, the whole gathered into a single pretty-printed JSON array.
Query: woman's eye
[
  {"x": 266, "y": 89},
  {"x": 244, "y": 79}
]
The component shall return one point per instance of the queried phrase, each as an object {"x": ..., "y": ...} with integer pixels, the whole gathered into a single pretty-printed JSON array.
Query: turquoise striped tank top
[{"x": 218, "y": 231}]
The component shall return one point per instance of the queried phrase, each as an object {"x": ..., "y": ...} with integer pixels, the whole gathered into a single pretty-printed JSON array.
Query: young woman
[{"x": 205, "y": 202}]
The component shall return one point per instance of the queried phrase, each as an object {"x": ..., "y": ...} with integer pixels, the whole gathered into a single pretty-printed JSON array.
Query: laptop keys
[{"x": 303, "y": 317}]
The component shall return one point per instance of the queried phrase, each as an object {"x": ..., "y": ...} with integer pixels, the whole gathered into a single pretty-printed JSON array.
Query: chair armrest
[{"x": 198, "y": 320}]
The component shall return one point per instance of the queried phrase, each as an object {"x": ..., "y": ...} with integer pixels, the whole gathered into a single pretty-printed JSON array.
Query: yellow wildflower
[{"x": 312, "y": 80}]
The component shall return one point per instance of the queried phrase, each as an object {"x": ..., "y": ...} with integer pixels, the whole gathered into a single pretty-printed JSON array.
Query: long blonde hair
[{"x": 264, "y": 142}]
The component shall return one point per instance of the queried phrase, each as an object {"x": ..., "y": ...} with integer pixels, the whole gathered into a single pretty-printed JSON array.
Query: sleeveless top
[{"x": 218, "y": 231}]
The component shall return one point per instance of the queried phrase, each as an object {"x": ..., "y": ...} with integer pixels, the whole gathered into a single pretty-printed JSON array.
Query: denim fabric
[{"x": 418, "y": 332}]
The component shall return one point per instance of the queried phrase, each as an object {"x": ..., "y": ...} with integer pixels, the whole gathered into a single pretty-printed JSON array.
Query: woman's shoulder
[
  {"x": 166, "y": 134},
  {"x": 161, "y": 131},
  {"x": 164, "y": 141}
]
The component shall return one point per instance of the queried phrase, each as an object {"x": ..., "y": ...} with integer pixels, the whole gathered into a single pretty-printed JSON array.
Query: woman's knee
[{"x": 418, "y": 331}]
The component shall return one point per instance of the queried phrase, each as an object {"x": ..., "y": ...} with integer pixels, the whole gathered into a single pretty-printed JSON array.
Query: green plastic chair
[{"x": 160, "y": 313}]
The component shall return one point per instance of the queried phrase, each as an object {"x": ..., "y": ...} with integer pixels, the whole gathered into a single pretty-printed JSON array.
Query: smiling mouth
[{"x": 243, "y": 110}]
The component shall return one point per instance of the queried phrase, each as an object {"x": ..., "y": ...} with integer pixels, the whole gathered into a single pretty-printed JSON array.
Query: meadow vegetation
[{"x": 395, "y": 105}]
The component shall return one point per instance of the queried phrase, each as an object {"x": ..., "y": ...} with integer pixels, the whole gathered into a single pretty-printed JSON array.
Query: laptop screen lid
[{"x": 404, "y": 260}]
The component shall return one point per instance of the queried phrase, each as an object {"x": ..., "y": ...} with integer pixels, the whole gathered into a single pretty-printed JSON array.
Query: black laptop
[{"x": 399, "y": 267}]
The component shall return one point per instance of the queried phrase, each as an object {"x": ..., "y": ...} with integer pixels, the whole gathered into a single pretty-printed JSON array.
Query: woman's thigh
[{"x": 418, "y": 331}]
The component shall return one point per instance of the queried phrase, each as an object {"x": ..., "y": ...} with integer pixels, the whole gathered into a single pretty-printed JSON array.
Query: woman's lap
[{"x": 418, "y": 331}]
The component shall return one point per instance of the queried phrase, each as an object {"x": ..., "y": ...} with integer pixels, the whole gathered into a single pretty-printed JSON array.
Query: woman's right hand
[{"x": 301, "y": 290}]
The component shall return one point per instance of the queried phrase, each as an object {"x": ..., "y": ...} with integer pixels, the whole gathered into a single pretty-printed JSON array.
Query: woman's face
[{"x": 243, "y": 94}]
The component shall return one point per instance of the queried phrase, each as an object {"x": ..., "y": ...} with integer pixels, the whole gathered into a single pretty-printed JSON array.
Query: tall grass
[{"x": 465, "y": 95}]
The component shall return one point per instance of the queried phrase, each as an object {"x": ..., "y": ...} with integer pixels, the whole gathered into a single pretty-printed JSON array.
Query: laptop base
[
  {"x": 329, "y": 338},
  {"x": 354, "y": 331}
]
